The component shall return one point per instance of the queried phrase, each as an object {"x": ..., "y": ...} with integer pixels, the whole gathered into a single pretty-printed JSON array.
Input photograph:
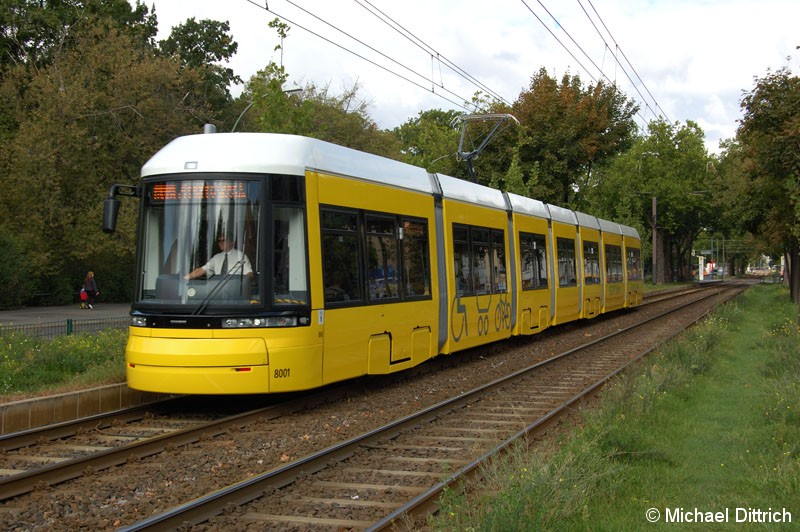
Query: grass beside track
[
  {"x": 30, "y": 366},
  {"x": 707, "y": 425}
]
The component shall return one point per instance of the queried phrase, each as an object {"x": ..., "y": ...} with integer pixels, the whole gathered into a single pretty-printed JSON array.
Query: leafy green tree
[
  {"x": 769, "y": 134},
  {"x": 14, "y": 275},
  {"x": 736, "y": 211},
  {"x": 568, "y": 130},
  {"x": 202, "y": 46},
  {"x": 32, "y": 31},
  {"x": 311, "y": 111},
  {"x": 565, "y": 130},
  {"x": 340, "y": 118},
  {"x": 671, "y": 165},
  {"x": 89, "y": 118},
  {"x": 430, "y": 141}
]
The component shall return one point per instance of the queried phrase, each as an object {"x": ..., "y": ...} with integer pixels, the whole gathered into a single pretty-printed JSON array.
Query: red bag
[{"x": 84, "y": 295}]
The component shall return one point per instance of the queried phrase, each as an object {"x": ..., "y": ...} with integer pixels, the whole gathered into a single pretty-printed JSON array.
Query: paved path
[{"x": 60, "y": 313}]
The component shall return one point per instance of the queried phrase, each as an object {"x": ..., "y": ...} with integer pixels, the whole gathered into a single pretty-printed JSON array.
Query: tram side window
[
  {"x": 533, "y": 256},
  {"x": 372, "y": 257},
  {"x": 479, "y": 256},
  {"x": 634, "y": 264},
  {"x": 416, "y": 259},
  {"x": 499, "y": 278},
  {"x": 481, "y": 267},
  {"x": 382, "y": 267},
  {"x": 591, "y": 262},
  {"x": 461, "y": 261},
  {"x": 613, "y": 264},
  {"x": 340, "y": 254},
  {"x": 567, "y": 273},
  {"x": 290, "y": 279}
]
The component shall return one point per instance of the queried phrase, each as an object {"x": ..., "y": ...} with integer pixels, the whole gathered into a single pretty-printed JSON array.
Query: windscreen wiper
[{"x": 220, "y": 285}]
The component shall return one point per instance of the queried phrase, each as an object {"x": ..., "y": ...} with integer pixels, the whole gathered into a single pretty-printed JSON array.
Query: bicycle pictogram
[{"x": 502, "y": 315}]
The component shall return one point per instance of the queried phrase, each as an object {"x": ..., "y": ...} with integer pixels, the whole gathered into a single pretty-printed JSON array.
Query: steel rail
[
  {"x": 67, "y": 429},
  {"x": 426, "y": 500},
  {"x": 212, "y": 504},
  {"x": 21, "y": 483}
]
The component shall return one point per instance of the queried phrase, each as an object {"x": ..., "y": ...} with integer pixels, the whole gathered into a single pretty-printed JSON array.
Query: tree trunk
[
  {"x": 661, "y": 264},
  {"x": 793, "y": 273}
]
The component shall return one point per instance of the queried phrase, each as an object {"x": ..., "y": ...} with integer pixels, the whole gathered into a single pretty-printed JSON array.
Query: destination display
[{"x": 193, "y": 190}]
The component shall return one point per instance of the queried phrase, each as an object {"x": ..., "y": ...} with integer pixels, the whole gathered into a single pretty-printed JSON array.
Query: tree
[
  {"x": 33, "y": 31},
  {"x": 431, "y": 140},
  {"x": 88, "y": 118},
  {"x": 203, "y": 45},
  {"x": 671, "y": 165},
  {"x": 312, "y": 111},
  {"x": 769, "y": 134},
  {"x": 569, "y": 129},
  {"x": 732, "y": 189}
]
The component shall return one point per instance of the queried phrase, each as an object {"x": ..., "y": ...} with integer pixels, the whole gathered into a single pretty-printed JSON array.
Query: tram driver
[{"x": 228, "y": 260}]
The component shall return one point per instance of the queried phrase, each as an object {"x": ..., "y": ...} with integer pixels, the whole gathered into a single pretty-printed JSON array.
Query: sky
[{"x": 678, "y": 59}]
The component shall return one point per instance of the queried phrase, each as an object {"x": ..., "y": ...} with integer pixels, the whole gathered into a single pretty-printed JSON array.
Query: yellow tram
[{"x": 271, "y": 263}]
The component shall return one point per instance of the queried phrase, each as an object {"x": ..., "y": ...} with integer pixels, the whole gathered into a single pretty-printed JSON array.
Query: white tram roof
[
  {"x": 587, "y": 220},
  {"x": 610, "y": 227},
  {"x": 560, "y": 214},
  {"x": 629, "y": 231},
  {"x": 291, "y": 154},
  {"x": 280, "y": 154},
  {"x": 527, "y": 205},
  {"x": 618, "y": 229},
  {"x": 466, "y": 191}
]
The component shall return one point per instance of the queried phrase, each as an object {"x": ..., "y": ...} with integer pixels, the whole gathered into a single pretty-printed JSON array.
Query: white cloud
[{"x": 695, "y": 56}]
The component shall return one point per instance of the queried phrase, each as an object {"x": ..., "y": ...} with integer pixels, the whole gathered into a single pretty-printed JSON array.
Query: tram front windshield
[{"x": 221, "y": 243}]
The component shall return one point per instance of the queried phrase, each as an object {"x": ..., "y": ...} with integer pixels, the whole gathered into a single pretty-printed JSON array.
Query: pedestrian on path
[{"x": 90, "y": 286}]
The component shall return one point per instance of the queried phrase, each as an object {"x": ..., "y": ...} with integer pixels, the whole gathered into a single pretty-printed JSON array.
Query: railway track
[
  {"x": 50, "y": 455},
  {"x": 138, "y": 435},
  {"x": 394, "y": 473}
]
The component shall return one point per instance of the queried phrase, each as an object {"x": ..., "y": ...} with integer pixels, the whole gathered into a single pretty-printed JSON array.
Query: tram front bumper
[{"x": 197, "y": 365}]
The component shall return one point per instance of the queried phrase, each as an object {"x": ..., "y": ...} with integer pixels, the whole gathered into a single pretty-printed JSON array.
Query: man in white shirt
[{"x": 228, "y": 260}]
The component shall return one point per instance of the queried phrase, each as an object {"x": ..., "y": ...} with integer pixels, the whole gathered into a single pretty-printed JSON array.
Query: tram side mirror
[
  {"x": 110, "y": 213},
  {"x": 111, "y": 204}
]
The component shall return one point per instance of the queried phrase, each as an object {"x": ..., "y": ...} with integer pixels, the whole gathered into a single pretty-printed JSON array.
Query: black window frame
[
  {"x": 286, "y": 191},
  {"x": 409, "y": 284},
  {"x": 564, "y": 244},
  {"x": 613, "y": 257},
  {"x": 595, "y": 260},
  {"x": 473, "y": 238},
  {"x": 534, "y": 242},
  {"x": 342, "y": 288},
  {"x": 362, "y": 233},
  {"x": 633, "y": 264}
]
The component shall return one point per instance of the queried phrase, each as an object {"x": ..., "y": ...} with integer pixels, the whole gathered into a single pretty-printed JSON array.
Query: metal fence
[{"x": 54, "y": 329}]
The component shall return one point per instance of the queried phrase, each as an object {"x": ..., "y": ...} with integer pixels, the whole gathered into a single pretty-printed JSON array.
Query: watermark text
[{"x": 726, "y": 515}]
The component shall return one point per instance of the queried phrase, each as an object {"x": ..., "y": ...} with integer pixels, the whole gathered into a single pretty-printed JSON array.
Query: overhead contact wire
[
  {"x": 425, "y": 47},
  {"x": 621, "y": 51},
  {"x": 370, "y": 61},
  {"x": 566, "y": 48}
]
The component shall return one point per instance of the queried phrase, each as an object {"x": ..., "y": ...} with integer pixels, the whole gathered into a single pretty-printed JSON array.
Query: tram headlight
[
  {"x": 243, "y": 323},
  {"x": 139, "y": 321},
  {"x": 282, "y": 321},
  {"x": 248, "y": 323}
]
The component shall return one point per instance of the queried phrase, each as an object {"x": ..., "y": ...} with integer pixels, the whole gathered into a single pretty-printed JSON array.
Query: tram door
[
  {"x": 590, "y": 266},
  {"x": 613, "y": 266},
  {"x": 380, "y": 315},
  {"x": 566, "y": 280},
  {"x": 534, "y": 274}
]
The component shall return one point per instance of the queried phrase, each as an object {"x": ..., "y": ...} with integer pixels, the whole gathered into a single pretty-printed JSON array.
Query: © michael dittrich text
[{"x": 741, "y": 515}]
